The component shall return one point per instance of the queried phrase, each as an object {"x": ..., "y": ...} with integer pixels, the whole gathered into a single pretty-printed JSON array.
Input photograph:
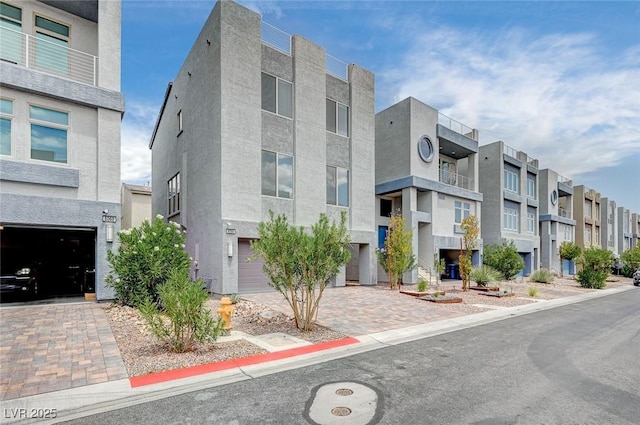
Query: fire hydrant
[{"x": 225, "y": 311}]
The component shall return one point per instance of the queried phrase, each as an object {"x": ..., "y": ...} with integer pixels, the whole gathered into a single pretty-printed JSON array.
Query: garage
[
  {"x": 61, "y": 260},
  {"x": 251, "y": 279}
]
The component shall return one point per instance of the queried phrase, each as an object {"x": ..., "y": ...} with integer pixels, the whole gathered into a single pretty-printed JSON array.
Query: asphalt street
[{"x": 577, "y": 364}]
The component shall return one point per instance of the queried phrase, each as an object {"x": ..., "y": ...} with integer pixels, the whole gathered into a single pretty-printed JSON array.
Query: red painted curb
[{"x": 170, "y": 375}]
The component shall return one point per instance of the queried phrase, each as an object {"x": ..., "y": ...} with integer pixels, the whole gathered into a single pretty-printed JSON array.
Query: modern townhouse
[
  {"x": 586, "y": 212},
  {"x": 509, "y": 183},
  {"x": 242, "y": 131},
  {"x": 556, "y": 219},
  {"x": 625, "y": 236},
  {"x": 635, "y": 229},
  {"x": 60, "y": 115},
  {"x": 135, "y": 205},
  {"x": 609, "y": 220},
  {"x": 427, "y": 170}
]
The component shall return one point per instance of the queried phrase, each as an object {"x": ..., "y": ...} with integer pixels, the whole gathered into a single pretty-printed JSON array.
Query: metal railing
[
  {"x": 276, "y": 38},
  {"x": 453, "y": 179},
  {"x": 456, "y": 126},
  {"x": 563, "y": 179},
  {"x": 281, "y": 41},
  {"x": 43, "y": 55},
  {"x": 509, "y": 151},
  {"x": 562, "y": 212}
]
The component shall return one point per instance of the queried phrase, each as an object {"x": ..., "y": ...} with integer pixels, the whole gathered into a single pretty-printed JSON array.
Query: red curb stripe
[{"x": 170, "y": 375}]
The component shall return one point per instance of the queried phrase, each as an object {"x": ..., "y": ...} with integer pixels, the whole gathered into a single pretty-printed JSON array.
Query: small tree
[
  {"x": 631, "y": 258},
  {"x": 144, "y": 259},
  {"x": 568, "y": 251},
  {"x": 397, "y": 256},
  {"x": 471, "y": 227},
  {"x": 596, "y": 264},
  {"x": 300, "y": 264},
  {"x": 504, "y": 258},
  {"x": 185, "y": 320}
]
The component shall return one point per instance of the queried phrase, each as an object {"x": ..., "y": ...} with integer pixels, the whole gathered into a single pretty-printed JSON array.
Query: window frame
[
  {"x": 462, "y": 210},
  {"x": 531, "y": 222},
  {"x": 18, "y": 23},
  {"x": 278, "y": 156},
  {"x": 276, "y": 108},
  {"x": 53, "y": 125},
  {"x": 180, "y": 122},
  {"x": 337, "y": 121},
  {"x": 54, "y": 35},
  {"x": 390, "y": 201},
  {"x": 531, "y": 187},
  {"x": 510, "y": 216},
  {"x": 511, "y": 178},
  {"x": 336, "y": 188},
  {"x": 173, "y": 197},
  {"x": 587, "y": 234},
  {"x": 9, "y": 116}
]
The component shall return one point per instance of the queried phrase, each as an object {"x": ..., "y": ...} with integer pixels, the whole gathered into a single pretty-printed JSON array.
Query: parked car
[
  {"x": 23, "y": 281},
  {"x": 636, "y": 278}
]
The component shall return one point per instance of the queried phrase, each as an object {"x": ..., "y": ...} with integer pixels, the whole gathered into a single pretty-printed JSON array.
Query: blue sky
[{"x": 557, "y": 80}]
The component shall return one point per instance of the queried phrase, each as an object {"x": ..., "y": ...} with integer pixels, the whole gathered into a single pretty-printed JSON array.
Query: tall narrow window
[
  {"x": 531, "y": 186},
  {"x": 173, "y": 197},
  {"x": 337, "y": 186},
  {"x": 531, "y": 220},
  {"x": 52, "y": 46},
  {"x": 511, "y": 181},
  {"x": 386, "y": 207},
  {"x": 179, "y": 122},
  {"x": 462, "y": 211},
  {"x": 277, "y": 95},
  {"x": 337, "y": 118},
  {"x": 6, "y": 116},
  {"x": 48, "y": 134},
  {"x": 587, "y": 209},
  {"x": 587, "y": 234},
  {"x": 511, "y": 213},
  {"x": 277, "y": 175},
  {"x": 10, "y": 33}
]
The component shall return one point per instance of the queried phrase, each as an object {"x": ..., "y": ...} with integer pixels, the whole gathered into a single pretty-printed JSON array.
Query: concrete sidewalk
[{"x": 90, "y": 399}]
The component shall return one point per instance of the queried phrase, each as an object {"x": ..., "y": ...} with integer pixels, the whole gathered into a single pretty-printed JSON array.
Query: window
[
  {"x": 48, "y": 134},
  {"x": 531, "y": 186},
  {"x": 510, "y": 216},
  {"x": 337, "y": 118},
  {"x": 587, "y": 234},
  {"x": 511, "y": 181},
  {"x": 6, "y": 115},
  {"x": 448, "y": 172},
  {"x": 173, "y": 206},
  {"x": 277, "y": 95},
  {"x": 52, "y": 41},
  {"x": 386, "y": 207},
  {"x": 567, "y": 233},
  {"x": 10, "y": 33},
  {"x": 597, "y": 235},
  {"x": 463, "y": 210},
  {"x": 425, "y": 149},
  {"x": 277, "y": 175},
  {"x": 587, "y": 209},
  {"x": 179, "y": 122},
  {"x": 337, "y": 186},
  {"x": 531, "y": 220}
]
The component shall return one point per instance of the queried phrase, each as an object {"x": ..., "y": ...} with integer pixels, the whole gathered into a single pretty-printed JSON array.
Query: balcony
[
  {"x": 562, "y": 212},
  {"x": 46, "y": 56},
  {"x": 458, "y": 180}
]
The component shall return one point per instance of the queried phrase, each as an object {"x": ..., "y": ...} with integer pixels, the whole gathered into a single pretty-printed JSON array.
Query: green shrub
[
  {"x": 542, "y": 276},
  {"x": 596, "y": 263},
  {"x": 631, "y": 258},
  {"x": 532, "y": 291},
  {"x": 185, "y": 320},
  {"x": 485, "y": 275},
  {"x": 144, "y": 259},
  {"x": 504, "y": 258},
  {"x": 627, "y": 271},
  {"x": 595, "y": 279},
  {"x": 422, "y": 285}
]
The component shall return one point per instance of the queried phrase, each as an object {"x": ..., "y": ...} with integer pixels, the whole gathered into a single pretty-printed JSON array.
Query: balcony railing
[
  {"x": 280, "y": 40},
  {"x": 46, "y": 56},
  {"x": 457, "y": 126},
  {"x": 458, "y": 180},
  {"x": 562, "y": 212},
  {"x": 509, "y": 151}
]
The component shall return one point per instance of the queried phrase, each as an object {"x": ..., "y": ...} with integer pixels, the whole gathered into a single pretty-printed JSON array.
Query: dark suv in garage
[{"x": 19, "y": 281}]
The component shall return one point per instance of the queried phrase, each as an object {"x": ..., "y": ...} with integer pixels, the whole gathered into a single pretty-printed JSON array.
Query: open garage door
[
  {"x": 251, "y": 279},
  {"x": 63, "y": 259}
]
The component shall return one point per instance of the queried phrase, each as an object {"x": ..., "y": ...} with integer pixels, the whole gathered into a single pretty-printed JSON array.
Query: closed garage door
[{"x": 251, "y": 279}]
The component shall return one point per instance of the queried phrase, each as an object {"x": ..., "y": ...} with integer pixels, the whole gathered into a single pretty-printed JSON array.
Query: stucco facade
[
  {"x": 625, "y": 227},
  {"x": 77, "y": 182},
  {"x": 587, "y": 213},
  {"x": 509, "y": 182},
  {"x": 220, "y": 138},
  {"x": 426, "y": 169},
  {"x": 609, "y": 226},
  {"x": 135, "y": 205}
]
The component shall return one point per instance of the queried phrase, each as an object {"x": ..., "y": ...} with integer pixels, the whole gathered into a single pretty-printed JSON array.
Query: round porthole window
[
  {"x": 425, "y": 149},
  {"x": 554, "y": 197}
]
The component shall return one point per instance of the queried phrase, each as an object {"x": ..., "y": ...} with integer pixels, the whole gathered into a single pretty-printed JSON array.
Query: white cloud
[
  {"x": 137, "y": 127},
  {"x": 560, "y": 97}
]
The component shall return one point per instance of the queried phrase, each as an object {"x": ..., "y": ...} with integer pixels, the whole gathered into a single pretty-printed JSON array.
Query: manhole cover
[
  {"x": 344, "y": 391},
  {"x": 341, "y": 411}
]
